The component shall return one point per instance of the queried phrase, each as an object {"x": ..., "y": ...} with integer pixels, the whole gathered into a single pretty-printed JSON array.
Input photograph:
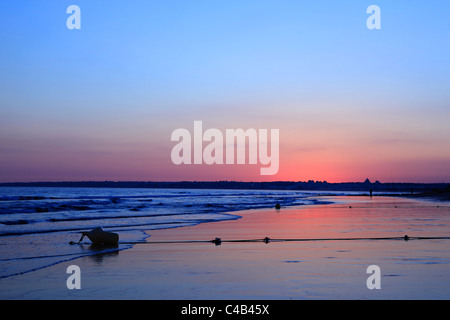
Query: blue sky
[{"x": 136, "y": 71}]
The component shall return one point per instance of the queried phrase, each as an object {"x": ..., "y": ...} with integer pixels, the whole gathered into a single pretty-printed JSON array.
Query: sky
[{"x": 101, "y": 102}]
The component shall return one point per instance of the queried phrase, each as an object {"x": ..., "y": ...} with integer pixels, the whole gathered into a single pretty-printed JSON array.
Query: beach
[{"x": 277, "y": 270}]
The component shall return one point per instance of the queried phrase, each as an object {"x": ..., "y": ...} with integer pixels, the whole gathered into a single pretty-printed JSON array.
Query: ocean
[{"x": 37, "y": 224}]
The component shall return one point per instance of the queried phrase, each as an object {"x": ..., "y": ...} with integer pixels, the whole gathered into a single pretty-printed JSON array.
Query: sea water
[{"x": 37, "y": 224}]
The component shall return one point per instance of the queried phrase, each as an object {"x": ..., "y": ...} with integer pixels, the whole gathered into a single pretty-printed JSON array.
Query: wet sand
[{"x": 332, "y": 269}]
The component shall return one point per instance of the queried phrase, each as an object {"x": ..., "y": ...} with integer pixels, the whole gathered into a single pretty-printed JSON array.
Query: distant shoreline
[{"x": 366, "y": 186}]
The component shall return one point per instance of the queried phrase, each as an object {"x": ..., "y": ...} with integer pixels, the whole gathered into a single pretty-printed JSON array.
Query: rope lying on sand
[{"x": 218, "y": 241}]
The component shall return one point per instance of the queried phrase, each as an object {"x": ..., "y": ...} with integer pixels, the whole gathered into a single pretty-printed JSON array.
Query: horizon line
[{"x": 367, "y": 181}]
